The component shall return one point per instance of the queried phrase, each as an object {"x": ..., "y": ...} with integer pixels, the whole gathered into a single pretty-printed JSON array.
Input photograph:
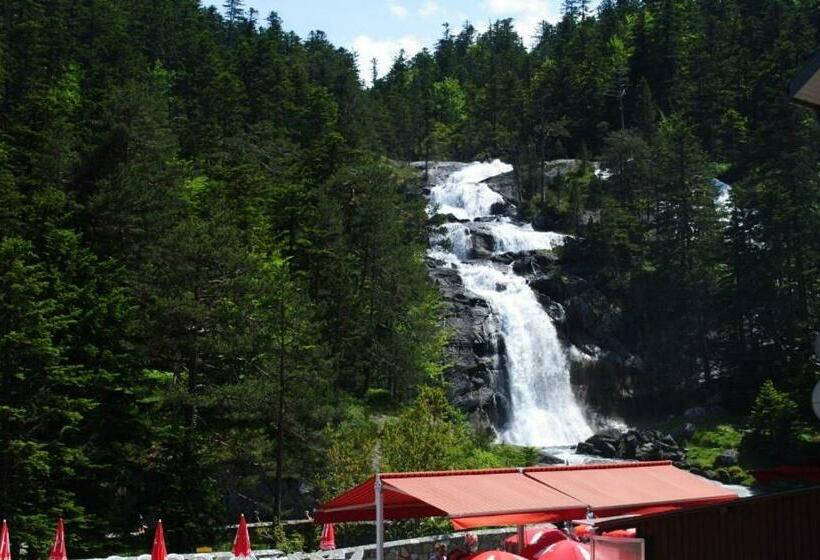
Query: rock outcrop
[
  {"x": 603, "y": 369},
  {"x": 475, "y": 372},
  {"x": 645, "y": 445}
]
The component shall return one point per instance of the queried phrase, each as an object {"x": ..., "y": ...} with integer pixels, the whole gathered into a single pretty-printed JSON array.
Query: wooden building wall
[{"x": 783, "y": 526}]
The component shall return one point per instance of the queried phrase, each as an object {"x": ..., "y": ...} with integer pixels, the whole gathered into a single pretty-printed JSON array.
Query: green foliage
[
  {"x": 427, "y": 434},
  {"x": 287, "y": 543},
  {"x": 773, "y": 413}
]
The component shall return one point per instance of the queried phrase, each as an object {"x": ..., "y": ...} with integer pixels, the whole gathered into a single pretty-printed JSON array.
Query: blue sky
[{"x": 379, "y": 28}]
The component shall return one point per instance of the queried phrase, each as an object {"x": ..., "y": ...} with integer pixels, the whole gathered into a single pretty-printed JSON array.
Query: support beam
[
  {"x": 379, "y": 519},
  {"x": 522, "y": 539}
]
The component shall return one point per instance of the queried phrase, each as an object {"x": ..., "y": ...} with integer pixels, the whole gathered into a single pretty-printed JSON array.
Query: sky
[{"x": 380, "y": 28}]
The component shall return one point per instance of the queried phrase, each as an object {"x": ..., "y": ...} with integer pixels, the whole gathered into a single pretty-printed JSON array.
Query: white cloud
[
  {"x": 430, "y": 8},
  {"x": 384, "y": 51},
  {"x": 528, "y": 14},
  {"x": 398, "y": 10}
]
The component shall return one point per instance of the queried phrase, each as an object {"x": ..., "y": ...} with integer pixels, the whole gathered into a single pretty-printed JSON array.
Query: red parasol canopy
[
  {"x": 58, "y": 551},
  {"x": 159, "y": 552},
  {"x": 495, "y": 555},
  {"x": 242, "y": 540},
  {"x": 5, "y": 547},
  {"x": 328, "y": 541},
  {"x": 566, "y": 550},
  {"x": 536, "y": 540}
]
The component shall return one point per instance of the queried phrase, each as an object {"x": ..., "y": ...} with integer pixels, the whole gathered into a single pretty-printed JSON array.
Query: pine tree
[{"x": 234, "y": 11}]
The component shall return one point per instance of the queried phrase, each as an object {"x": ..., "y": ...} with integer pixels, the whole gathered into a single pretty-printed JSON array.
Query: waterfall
[{"x": 544, "y": 411}]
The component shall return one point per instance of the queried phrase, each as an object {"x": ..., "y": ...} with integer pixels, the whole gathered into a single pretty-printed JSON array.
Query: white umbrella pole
[{"x": 379, "y": 519}]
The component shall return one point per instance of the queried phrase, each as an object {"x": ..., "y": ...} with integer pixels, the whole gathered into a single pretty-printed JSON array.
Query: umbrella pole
[
  {"x": 521, "y": 538},
  {"x": 379, "y": 519}
]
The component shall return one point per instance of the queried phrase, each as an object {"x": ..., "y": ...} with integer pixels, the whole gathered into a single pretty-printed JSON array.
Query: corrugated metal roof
[
  {"x": 631, "y": 487},
  {"x": 520, "y": 496}
]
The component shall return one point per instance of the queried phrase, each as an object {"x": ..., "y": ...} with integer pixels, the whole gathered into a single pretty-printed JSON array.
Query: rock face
[
  {"x": 603, "y": 369},
  {"x": 507, "y": 187},
  {"x": 475, "y": 375},
  {"x": 647, "y": 445}
]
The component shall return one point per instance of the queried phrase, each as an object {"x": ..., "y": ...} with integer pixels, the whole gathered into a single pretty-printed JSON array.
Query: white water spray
[{"x": 544, "y": 410}]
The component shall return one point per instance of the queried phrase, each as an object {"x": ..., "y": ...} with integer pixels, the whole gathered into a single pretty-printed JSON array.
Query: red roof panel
[
  {"x": 616, "y": 489},
  {"x": 525, "y": 496}
]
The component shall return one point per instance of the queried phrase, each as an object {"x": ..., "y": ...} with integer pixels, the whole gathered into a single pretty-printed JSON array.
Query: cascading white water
[{"x": 544, "y": 410}]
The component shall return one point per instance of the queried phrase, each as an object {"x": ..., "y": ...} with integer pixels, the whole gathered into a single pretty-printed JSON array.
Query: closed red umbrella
[
  {"x": 532, "y": 536},
  {"x": 496, "y": 555},
  {"x": 328, "y": 541},
  {"x": 566, "y": 550},
  {"x": 58, "y": 550},
  {"x": 5, "y": 547},
  {"x": 159, "y": 552},
  {"x": 539, "y": 543},
  {"x": 242, "y": 540}
]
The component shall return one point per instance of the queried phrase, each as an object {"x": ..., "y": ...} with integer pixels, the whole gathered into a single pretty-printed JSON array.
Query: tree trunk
[{"x": 280, "y": 419}]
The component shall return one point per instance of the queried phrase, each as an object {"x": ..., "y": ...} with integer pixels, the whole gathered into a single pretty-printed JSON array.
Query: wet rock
[
  {"x": 585, "y": 448},
  {"x": 556, "y": 312},
  {"x": 727, "y": 458},
  {"x": 504, "y": 209},
  {"x": 684, "y": 433},
  {"x": 475, "y": 399},
  {"x": 440, "y": 219},
  {"x": 504, "y": 258},
  {"x": 695, "y": 413},
  {"x": 482, "y": 242},
  {"x": 524, "y": 266},
  {"x": 647, "y": 445},
  {"x": 647, "y": 452},
  {"x": 547, "y": 459},
  {"x": 506, "y": 186},
  {"x": 550, "y": 285}
]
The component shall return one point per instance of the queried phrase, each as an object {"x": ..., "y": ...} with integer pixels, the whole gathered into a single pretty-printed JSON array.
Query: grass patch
[{"x": 707, "y": 444}]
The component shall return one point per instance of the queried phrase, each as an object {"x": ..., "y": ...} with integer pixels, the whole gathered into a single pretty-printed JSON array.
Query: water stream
[{"x": 544, "y": 411}]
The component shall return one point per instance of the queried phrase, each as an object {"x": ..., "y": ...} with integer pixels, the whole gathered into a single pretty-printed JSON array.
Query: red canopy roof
[
  {"x": 469, "y": 498},
  {"x": 523, "y": 496},
  {"x": 621, "y": 488}
]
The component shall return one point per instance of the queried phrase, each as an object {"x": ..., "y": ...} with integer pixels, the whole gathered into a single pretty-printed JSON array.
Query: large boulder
[
  {"x": 727, "y": 458},
  {"x": 545, "y": 458},
  {"x": 684, "y": 433},
  {"x": 482, "y": 243},
  {"x": 507, "y": 186},
  {"x": 646, "y": 445}
]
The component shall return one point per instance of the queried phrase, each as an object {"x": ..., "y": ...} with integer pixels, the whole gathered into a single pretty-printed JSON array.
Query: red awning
[
  {"x": 469, "y": 498},
  {"x": 637, "y": 488},
  {"x": 503, "y": 497}
]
